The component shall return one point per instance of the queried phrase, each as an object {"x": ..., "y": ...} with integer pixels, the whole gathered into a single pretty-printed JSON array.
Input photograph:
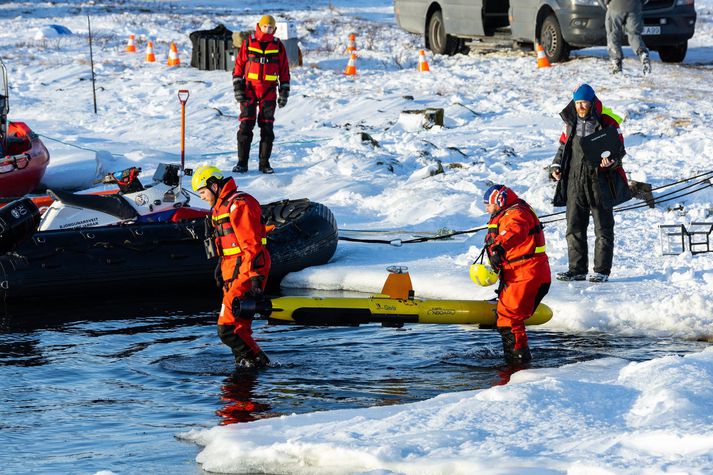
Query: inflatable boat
[
  {"x": 147, "y": 257},
  {"x": 23, "y": 156},
  {"x": 23, "y": 161}
]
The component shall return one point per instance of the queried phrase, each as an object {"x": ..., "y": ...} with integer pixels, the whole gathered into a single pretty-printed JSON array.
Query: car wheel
[
  {"x": 437, "y": 39},
  {"x": 556, "y": 48},
  {"x": 673, "y": 53}
]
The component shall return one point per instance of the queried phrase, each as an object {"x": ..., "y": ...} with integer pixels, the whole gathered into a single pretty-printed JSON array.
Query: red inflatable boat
[{"x": 23, "y": 160}]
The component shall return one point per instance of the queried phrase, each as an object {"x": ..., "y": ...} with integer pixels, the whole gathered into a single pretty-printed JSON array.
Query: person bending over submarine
[
  {"x": 240, "y": 240},
  {"x": 515, "y": 245}
]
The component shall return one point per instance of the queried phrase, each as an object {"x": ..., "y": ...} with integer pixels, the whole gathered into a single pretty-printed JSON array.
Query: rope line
[{"x": 74, "y": 145}]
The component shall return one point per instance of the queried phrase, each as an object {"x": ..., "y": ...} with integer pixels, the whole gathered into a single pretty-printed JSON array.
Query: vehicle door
[
  {"x": 463, "y": 17},
  {"x": 523, "y": 19}
]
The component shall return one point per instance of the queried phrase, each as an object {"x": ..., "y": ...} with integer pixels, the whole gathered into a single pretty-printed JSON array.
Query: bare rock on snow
[{"x": 413, "y": 120}]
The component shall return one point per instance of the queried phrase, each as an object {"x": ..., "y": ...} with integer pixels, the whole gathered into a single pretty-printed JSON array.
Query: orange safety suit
[
  {"x": 240, "y": 239},
  {"x": 525, "y": 276}
]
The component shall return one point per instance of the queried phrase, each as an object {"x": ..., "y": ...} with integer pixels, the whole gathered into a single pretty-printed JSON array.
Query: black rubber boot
[
  {"x": 265, "y": 152},
  {"x": 248, "y": 361},
  {"x": 243, "y": 156},
  {"x": 521, "y": 355}
]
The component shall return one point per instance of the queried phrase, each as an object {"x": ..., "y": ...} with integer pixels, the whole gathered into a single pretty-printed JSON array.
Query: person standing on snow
[
  {"x": 240, "y": 240},
  {"x": 585, "y": 185},
  {"x": 515, "y": 245},
  {"x": 261, "y": 63},
  {"x": 625, "y": 16}
]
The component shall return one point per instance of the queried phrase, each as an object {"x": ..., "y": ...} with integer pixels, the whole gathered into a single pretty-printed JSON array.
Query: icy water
[{"x": 108, "y": 388}]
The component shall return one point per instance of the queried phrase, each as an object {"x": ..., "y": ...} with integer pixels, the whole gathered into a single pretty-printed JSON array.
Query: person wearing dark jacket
[
  {"x": 625, "y": 16},
  {"x": 260, "y": 65},
  {"x": 588, "y": 185}
]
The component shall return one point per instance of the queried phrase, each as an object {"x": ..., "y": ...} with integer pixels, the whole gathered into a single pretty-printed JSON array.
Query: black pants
[
  {"x": 265, "y": 120},
  {"x": 577, "y": 224}
]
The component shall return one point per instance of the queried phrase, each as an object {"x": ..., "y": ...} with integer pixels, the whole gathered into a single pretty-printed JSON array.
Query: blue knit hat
[{"x": 583, "y": 93}]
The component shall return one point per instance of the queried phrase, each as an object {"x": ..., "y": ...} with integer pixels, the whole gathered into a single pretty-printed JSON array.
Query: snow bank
[{"x": 607, "y": 416}]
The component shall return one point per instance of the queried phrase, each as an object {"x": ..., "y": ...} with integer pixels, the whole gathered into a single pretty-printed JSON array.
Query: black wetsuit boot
[
  {"x": 265, "y": 152},
  {"x": 243, "y": 155},
  {"x": 521, "y": 355},
  {"x": 244, "y": 356},
  {"x": 245, "y": 138}
]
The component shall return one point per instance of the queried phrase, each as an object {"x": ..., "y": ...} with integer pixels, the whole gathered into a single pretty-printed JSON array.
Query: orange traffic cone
[
  {"x": 542, "y": 61},
  {"x": 422, "y": 63},
  {"x": 130, "y": 47},
  {"x": 351, "y": 48},
  {"x": 150, "y": 57},
  {"x": 173, "y": 56},
  {"x": 351, "y": 66}
]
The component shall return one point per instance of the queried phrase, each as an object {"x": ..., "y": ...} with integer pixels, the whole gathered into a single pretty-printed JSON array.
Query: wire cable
[{"x": 669, "y": 196}]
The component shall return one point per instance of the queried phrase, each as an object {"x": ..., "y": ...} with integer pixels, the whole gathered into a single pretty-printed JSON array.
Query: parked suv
[{"x": 559, "y": 25}]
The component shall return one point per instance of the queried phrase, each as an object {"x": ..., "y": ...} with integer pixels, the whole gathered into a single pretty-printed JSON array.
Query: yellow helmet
[
  {"x": 202, "y": 174},
  {"x": 483, "y": 275},
  {"x": 267, "y": 20}
]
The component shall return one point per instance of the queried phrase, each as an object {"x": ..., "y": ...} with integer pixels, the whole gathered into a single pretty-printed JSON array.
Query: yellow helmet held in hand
[
  {"x": 202, "y": 174},
  {"x": 483, "y": 275}
]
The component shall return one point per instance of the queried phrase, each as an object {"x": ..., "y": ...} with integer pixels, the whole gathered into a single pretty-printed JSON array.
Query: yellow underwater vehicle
[{"x": 393, "y": 307}]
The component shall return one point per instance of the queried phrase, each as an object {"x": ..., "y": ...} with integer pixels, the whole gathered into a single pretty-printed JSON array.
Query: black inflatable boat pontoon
[{"x": 154, "y": 257}]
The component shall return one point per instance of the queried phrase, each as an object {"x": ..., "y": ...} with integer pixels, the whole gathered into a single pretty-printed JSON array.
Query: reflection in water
[
  {"x": 242, "y": 404},
  {"x": 505, "y": 373},
  {"x": 21, "y": 352}
]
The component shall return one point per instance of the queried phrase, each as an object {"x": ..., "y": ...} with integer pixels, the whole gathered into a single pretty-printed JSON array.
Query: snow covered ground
[{"x": 501, "y": 126}]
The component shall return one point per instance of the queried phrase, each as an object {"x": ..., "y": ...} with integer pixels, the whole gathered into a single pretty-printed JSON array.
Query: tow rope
[{"x": 663, "y": 198}]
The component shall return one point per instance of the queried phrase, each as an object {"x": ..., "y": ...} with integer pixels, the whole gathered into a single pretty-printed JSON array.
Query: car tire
[
  {"x": 437, "y": 39},
  {"x": 552, "y": 41},
  {"x": 673, "y": 53}
]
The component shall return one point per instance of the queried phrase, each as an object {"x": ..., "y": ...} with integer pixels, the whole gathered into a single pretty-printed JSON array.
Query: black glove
[
  {"x": 284, "y": 94},
  {"x": 256, "y": 287},
  {"x": 239, "y": 88},
  {"x": 496, "y": 256}
]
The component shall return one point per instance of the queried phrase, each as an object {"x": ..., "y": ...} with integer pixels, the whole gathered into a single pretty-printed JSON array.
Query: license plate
[{"x": 652, "y": 30}]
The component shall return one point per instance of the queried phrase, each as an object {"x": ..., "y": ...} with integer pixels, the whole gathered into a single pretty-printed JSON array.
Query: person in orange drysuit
[
  {"x": 240, "y": 240},
  {"x": 260, "y": 64},
  {"x": 515, "y": 245}
]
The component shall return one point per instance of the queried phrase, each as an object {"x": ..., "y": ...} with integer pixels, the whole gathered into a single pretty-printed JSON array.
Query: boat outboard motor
[
  {"x": 250, "y": 307},
  {"x": 18, "y": 221}
]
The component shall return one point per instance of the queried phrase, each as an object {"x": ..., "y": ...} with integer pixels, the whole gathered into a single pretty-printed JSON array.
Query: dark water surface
[{"x": 109, "y": 387}]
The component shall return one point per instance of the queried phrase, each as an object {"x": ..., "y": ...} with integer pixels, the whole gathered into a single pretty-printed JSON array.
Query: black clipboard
[{"x": 604, "y": 140}]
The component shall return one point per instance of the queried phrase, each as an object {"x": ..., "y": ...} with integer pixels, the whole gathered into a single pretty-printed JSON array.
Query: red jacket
[
  {"x": 240, "y": 234},
  {"x": 518, "y": 231},
  {"x": 262, "y": 61}
]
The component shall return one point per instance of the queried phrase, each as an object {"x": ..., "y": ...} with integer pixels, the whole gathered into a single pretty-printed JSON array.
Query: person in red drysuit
[
  {"x": 515, "y": 244},
  {"x": 261, "y": 63},
  {"x": 240, "y": 239}
]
